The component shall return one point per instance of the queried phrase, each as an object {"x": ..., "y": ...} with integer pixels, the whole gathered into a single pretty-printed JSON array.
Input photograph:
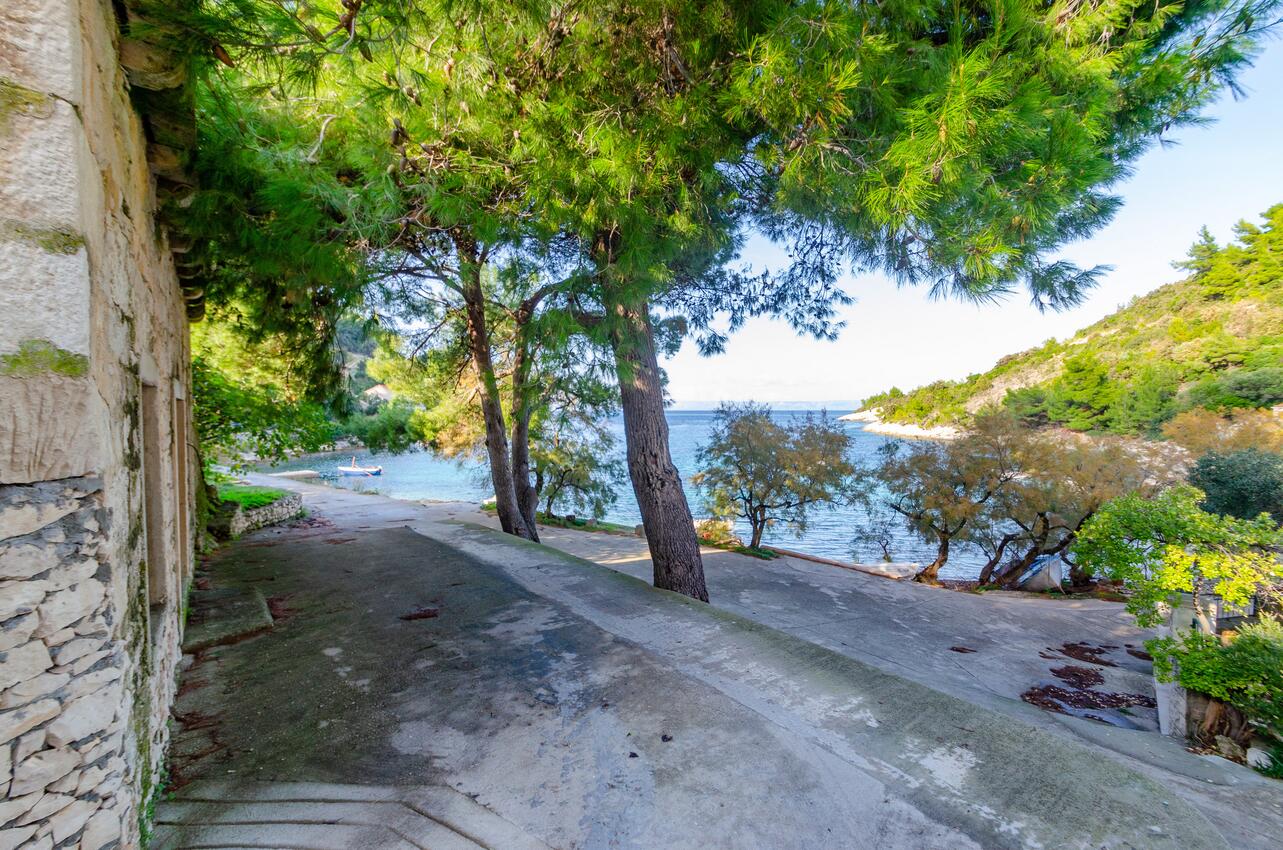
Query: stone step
[{"x": 323, "y": 816}]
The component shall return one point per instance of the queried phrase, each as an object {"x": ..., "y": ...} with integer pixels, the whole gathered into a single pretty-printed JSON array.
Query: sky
[{"x": 1213, "y": 175}]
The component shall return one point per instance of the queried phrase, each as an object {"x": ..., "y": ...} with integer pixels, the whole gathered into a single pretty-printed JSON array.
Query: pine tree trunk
[
  {"x": 510, "y": 517},
  {"x": 527, "y": 494},
  {"x": 666, "y": 516},
  {"x": 930, "y": 575}
]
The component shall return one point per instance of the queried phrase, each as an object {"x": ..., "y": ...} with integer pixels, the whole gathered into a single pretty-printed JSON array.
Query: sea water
[{"x": 829, "y": 533}]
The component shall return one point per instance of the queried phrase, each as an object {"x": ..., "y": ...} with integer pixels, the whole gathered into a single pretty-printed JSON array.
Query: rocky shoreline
[{"x": 874, "y": 425}]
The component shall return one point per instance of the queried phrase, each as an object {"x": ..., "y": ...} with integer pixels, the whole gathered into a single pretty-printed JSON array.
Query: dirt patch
[
  {"x": 1062, "y": 700},
  {"x": 1092, "y": 654},
  {"x": 279, "y": 607},
  {"x": 1079, "y": 677},
  {"x": 961, "y": 649},
  {"x": 1141, "y": 654},
  {"x": 420, "y": 613}
]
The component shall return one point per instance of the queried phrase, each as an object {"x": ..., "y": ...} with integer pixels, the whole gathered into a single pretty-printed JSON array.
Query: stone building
[{"x": 96, "y": 455}]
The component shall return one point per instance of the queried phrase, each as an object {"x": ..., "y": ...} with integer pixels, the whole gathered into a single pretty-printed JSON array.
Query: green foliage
[
  {"x": 240, "y": 422},
  {"x": 765, "y": 471},
  {"x": 1216, "y": 335},
  {"x": 1083, "y": 395},
  {"x": 576, "y": 471},
  {"x": 1244, "y": 483},
  {"x": 1168, "y": 545},
  {"x": 1246, "y": 672},
  {"x": 1242, "y": 388},
  {"x": 249, "y": 496},
  {"x": 389, "y": 428}
]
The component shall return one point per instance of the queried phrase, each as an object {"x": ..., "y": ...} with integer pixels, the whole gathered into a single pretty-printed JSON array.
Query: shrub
[
  {"x": 1247, "y": 672},
  {"x": 1243, "y": 483}
]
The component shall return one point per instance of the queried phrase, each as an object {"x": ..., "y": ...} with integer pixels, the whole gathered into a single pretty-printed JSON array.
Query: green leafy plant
[{"x": 1168, "y": 545}]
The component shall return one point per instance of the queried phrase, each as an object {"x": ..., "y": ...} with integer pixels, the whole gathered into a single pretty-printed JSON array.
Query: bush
[
  {"x": 1247, "y": 672},
  {"x": 1243, "y": 483}
]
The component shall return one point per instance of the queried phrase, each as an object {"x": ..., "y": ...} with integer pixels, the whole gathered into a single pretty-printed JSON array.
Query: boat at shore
[{"x": 357, "y": 470}]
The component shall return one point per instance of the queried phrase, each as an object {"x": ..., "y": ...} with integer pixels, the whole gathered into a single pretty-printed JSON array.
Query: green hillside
[{"x": 1213, "y": 340}]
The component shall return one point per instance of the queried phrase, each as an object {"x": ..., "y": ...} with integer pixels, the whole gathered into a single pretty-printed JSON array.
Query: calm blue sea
[{"x": 829, "y": 533}]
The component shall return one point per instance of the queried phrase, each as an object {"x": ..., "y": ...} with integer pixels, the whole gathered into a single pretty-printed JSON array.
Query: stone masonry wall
[
  {"x": 96, "y": 467},
  {"x": 287, "y": 507}
]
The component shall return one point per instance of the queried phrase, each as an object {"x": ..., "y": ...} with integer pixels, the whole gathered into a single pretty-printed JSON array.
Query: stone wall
[
  {"x": 96, "y": 463},
  {"x": 287, "y": 507}
]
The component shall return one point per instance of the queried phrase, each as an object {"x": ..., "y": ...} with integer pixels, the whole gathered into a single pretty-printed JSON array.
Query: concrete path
[{"x": 585, "y": 709}]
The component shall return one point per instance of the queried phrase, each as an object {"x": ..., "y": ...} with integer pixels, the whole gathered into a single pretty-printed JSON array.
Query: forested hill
[{"x": 1212, "y": 340}]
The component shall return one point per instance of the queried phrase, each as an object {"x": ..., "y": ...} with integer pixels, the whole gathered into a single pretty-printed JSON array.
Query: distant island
[{"x": 1213, "y": 340}]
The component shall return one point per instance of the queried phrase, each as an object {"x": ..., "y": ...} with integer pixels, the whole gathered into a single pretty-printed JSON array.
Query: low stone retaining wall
[{"x": 287, "y": 507}]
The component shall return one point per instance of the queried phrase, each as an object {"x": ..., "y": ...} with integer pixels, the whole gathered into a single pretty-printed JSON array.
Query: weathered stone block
[
  {"x": 13, "y": 807},
  {"x": 43, "y": 768},
  {"x": 46, "y": 806},
  {"x": 32, "y": 742},
  {"x": 14, "y": 723},
  {"x": 66, "y": 785},
  {"x": 19, "y": 597},
  {"x": 76, "y": 649},
  {"x": 23, "y": 662},
  {"x": 38, "y": 687},
  {"x": 18, "y": 630},
  {"x": 65, "y": 607},
  {"x": 59, "y": 637},
  {"x": 102, "y": 829},
  {"x": 90, "y": 682},
  {"x": 72, "y": 819},
  {"x": 85, "y": 716},
  {"x": 49, "y": 428},
  {"x": 70, "y": 572},
  {"x": 27, "y": 509},
  {"x": 26, "y": 560},
  {"x": 11, "y": 838}
]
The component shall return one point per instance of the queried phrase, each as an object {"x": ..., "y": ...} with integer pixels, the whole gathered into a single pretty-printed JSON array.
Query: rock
[
  {"x": 1230, "y": 749},
  {"x": 102, "y": 829},
  {"x": 80, "y": 665},
  {"x": 28, "y": 744},
  {"x": 65, "y": 607},
  {"x": 43, "y": 768},
  {"x": 6, "y": 769},
  {"x": 72, "y": 819},
  {"x": 34, "y": 688},
  {"x": 67, "y": 574},
  {"x": 1256, "y": 757},
  {"x": 18, "y": 519},
  {"x": 85, "y": 716},
  {"x": 11, "y": 838},
  {"x": 90, "y": 682},
  {"x": 19, "y": 597},
  {"x": 22, "y": 663},
  {"x": 14, "y": 723},
  {"x": 26, "y": 560},
  {"x": 75, "y": 649},
  {"x": 17, "y": 630},
  {"x": 45, "y": 842},
  {"x": 47, "y": 805},
  {"x": 59, "y": 638},
  {"x": 12, "y": 807},
  {"x": 68, "y": 784}
]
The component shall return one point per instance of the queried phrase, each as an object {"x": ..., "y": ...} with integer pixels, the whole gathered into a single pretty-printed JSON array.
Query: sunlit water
[{"x": 829, "y": 533}]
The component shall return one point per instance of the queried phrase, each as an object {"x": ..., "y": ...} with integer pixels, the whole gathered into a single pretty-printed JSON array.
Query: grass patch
[{"x": 248, "y": 496}]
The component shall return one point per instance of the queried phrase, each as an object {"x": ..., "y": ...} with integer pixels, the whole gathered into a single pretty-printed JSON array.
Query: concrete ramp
[{"x": 586, "y": 709}]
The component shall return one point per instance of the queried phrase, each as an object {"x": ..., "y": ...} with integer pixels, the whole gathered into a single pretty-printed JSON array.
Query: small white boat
[{"x": 362, "y": 471}]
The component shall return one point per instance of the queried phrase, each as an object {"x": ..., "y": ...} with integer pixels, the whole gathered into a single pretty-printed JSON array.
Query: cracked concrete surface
[{"x": 588, "y": 710}]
